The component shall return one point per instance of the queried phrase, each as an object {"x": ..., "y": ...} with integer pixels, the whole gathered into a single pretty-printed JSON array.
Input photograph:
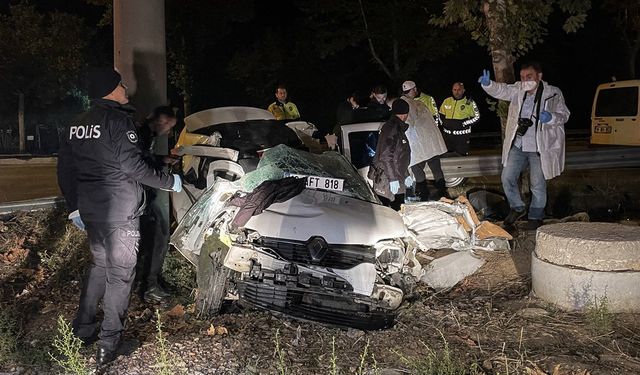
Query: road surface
[{"x": 28, "y": 179}]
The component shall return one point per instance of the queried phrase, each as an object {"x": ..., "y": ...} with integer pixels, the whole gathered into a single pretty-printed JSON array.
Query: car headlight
[{"x": 390, "y": 255}]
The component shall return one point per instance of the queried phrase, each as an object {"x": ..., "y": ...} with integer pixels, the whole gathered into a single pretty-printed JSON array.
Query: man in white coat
[
  {"x": 534, "y": 137},
  {"x": 426, "y": 144}
]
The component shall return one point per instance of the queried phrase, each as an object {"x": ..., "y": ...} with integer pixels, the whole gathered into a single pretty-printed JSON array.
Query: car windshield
[{"x": 280, "y": 161}]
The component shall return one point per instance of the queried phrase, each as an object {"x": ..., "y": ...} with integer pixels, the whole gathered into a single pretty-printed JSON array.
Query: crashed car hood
[{"x": 338, "y": 219}]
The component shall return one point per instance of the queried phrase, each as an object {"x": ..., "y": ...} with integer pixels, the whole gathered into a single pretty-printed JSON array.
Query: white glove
[
  {"x": 395, "y": 187},
  {"x": 177, "y": 183},
  {"x": 408, "y": 181},
  {"x": 75, "y": 218}
]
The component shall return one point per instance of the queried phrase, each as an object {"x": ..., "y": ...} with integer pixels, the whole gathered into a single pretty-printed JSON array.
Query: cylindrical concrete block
[
  {"x": 592, "y": 246},
  {"x": 576, "y": 289}
]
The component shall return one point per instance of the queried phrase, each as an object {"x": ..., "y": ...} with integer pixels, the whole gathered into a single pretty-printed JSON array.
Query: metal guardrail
[
  {"x": 491, "y": 165},
  {"x": 31, "y": 204}
]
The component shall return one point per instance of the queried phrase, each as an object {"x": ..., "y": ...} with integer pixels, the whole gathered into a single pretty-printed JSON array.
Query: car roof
[{"x": 225, "y": 115}]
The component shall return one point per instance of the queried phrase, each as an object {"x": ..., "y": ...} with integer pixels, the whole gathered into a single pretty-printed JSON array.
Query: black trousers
[
  {"x": 155, "y": 233},
  {"x": 397, "y": 202},
  {"x": 457, "y": 143},
  {"x": 435, "y": 166},
  {"x": 114, "y": 250}
]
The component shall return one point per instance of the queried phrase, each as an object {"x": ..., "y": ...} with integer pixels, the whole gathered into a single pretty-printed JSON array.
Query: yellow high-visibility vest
[{"x": 287, "y": 111}]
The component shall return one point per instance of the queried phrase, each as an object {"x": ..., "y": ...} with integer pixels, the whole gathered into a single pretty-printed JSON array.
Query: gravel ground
[{"x": 489, "y": 323}]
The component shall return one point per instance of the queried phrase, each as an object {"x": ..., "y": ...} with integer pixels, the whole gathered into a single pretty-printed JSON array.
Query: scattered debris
[
  {"x": 444, "y": 273},
  {"x": 177, "y": 311},
  {"x": 454, "y": 225}
]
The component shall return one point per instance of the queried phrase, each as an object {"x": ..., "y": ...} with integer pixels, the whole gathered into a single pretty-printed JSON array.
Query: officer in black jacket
[{"x": 100, "y": 173}]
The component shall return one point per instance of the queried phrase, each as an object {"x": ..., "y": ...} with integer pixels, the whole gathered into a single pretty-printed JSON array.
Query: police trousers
[
  {"x": 155, "y": 237},
  {"x": 114, "y": 249}
]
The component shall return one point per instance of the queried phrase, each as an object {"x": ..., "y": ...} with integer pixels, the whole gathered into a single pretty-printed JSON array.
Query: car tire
[
  {"x": 212, "y": 277},
  {"x": 454, "y": 181}
]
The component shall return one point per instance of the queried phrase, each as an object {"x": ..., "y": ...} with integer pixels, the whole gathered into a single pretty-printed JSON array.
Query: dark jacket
[
  {"x": 391, "y": 162},
  {"x": 101, "y": 166}
]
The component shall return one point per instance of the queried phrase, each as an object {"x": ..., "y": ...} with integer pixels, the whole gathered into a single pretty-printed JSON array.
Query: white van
[{"x": 615, "y": 116}]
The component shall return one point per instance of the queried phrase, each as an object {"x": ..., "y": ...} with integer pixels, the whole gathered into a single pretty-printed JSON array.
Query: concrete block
[
  {"x": 446, "y": 272},
  {"x": 575, "y": 289},
  {"x": 593, "y": 246}
]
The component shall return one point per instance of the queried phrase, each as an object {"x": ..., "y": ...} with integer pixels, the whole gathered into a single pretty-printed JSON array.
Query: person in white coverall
[
  {"x": 426, "y": 144},
  {"x": 534, "y": 137}
]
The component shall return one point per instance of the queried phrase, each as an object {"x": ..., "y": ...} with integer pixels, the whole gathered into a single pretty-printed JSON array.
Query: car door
[{"x": 358, "y": 143}]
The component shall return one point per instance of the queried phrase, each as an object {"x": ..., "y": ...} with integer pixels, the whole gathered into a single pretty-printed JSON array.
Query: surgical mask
[
  {"x": 529, "y": 85},
  {"x": 381, "y": 98}
]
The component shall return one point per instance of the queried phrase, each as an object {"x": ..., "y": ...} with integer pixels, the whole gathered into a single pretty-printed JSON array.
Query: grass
[
  {"x": 9, "y": 332},
  {"x": 442, "y": 362},
  {"x": 165, "y": 360},
  {"x": 68, "y": 346},
  {"x": 282, "y": 366},
  {"x": 598, "y": 316}
]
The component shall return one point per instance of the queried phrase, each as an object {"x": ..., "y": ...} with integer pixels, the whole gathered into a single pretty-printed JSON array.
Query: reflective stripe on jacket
[{"x": 462, "y": 109}]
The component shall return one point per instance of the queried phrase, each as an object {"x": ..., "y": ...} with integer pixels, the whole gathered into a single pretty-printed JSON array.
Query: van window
[{"x": 617, "y": 102}]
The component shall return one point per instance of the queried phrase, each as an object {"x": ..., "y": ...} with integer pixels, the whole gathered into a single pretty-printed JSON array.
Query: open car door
[{"x": 358, "y": 142}]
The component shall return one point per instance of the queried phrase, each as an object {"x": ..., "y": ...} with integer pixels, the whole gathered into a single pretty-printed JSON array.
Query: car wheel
[
  {"x": 212, "y": 277},
  {"x": 454, "y": 181}
]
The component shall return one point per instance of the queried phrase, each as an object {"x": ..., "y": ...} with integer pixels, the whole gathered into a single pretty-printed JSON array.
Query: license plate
[
  {"x": 325, "y": 183},
  {"x": 606, "y": 129}
]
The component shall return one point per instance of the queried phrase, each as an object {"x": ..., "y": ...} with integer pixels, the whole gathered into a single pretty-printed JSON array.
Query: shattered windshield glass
[{"x": 279, "y": 161}]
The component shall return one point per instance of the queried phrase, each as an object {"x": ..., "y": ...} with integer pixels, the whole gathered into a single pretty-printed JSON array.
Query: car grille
[
  {"x": 335, "y": 256},
  {"x": 335, "y": 309}
]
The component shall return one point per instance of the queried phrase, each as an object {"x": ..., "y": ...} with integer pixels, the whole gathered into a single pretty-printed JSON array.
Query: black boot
[
  {"x": 422, "y": 191},
  {"x": 441, "y": 190},
  {"x": 104, "y": 356}
]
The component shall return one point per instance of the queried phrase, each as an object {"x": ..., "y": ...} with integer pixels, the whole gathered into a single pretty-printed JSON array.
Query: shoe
[
  {"x": 156, "y": 295},
  {"x": 513, "y": 217},
  {"x": 533, "y": 224},
  {"x": 88, "y": 341},
  {"x": 104, "y": 356},
  {"x": 422, "y": 191}
]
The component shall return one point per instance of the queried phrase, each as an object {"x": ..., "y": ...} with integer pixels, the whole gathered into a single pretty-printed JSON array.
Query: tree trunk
[
  {"x": 21, "y": 130},
  {"x": 633, "y": 58},
  {"x": 501, "y": 57}
]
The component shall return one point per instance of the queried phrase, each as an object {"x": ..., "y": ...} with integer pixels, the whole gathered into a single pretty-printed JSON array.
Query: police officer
[
  {"x": 430, "y": 102},
  {"x": 283, "y": 109},
  {"x": 100, "y": 173},
  {"x": 154, "y": 242},
  {"x": 459, "y": 114}
]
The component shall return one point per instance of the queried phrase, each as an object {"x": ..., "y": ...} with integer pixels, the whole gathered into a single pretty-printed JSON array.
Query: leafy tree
[
  {"x": 195, "y": 30},
  {"x": 626, "y": 15},
  {"x": 40, "y": 57},
  {"x": 396, "y": 38},
  {"x": 509, "y": 28}
]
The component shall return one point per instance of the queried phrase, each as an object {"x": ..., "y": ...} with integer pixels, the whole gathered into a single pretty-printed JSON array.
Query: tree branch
[{"x": 370, "y": 40}]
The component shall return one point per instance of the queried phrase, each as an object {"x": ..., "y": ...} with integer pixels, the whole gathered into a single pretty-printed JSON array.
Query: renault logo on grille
[{"x": 317, "y": 248}]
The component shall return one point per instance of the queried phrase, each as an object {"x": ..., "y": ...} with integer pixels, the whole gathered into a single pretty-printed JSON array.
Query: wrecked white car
[{"x": 303, "y": 235}]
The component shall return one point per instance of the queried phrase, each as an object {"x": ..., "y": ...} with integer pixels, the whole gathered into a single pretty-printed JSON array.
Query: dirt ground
[{"x": 488, "y": 324}]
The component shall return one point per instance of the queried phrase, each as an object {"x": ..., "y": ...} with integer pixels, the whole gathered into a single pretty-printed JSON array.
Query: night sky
[{"x": 234, "y": 34}]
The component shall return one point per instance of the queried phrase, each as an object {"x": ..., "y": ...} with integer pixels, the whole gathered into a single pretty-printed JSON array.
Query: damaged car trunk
[{"x": 302, "y": 235}]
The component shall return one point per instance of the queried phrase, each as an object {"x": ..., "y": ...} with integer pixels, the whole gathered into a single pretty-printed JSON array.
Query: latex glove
[
  {"x": 545, "y": 117},
  {"x": 408, "y": 181},
  {"x": 332, "y": 141},
  {"x": 395, "y": 187},
  {"x": 485, "y": 79},
  {"x": 177, "y": 183},
  {"x": 75, "y": 218}
]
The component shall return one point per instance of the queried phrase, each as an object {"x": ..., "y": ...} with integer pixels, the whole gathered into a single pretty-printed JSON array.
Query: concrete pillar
[{"x": 139, "y": 50}]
